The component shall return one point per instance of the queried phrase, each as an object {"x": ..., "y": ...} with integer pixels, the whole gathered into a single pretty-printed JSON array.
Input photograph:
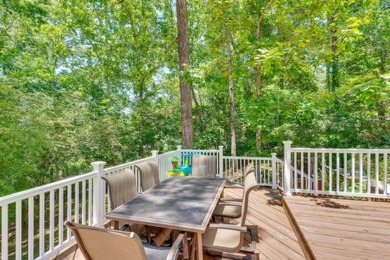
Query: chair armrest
[
  {"x": 175, "y": 249},
  {"x": 227, "y": 226}
]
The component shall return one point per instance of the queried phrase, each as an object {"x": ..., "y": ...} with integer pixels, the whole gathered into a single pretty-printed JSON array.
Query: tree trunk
[
  {"x": 198, "y": 111},
  {"x": 140, "y": 111},
  {"x": 381, "y": 105},
  {"x": 334, "y": 66},
  {"x": 184, "y": 62},
  {"x": 258, "y": 82},
  {"x": 231, "y": 95}
]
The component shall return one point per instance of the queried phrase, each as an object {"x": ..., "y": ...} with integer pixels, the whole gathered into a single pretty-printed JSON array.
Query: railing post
[
  {"x": 98, "y": 194},
  {"x": 220, "y": 173},
  {"x": 179, "y": 150},
  {"x": 274, "y": 173},
  {"x": 287, "y": 167},
  {"x": 154, "y": 153}
]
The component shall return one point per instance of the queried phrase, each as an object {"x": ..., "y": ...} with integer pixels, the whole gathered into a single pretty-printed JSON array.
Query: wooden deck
[
  {"x": 276, "y": 238},
  {"x": 342, "y": 229}
]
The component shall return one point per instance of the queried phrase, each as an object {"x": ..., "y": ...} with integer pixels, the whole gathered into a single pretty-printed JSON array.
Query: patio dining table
[{"x": 180, "y": 203}]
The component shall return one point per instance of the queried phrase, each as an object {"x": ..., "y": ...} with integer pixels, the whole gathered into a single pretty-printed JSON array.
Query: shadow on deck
[
  {"x": 327, "y": 228},
  {"x": 276, "y": 238}
]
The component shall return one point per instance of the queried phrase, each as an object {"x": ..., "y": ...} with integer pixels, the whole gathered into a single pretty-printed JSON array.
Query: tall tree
[{"x": 184, "y": 63}]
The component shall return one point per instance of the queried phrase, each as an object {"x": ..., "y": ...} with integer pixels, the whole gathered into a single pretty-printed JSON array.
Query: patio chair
[
  {"x": 100, "y": 244},
  {"x": 229, "y": 238},
  {"x": 249, "y": 168},
  {"x": 203, "y": 165},
  {"x": 231, "y": 207},
  {"x": 121, "y": 189},
  {"x": 148, "y": 174}
]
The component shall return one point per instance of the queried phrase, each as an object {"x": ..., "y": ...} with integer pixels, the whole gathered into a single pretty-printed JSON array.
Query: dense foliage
[{"x": 91, "y": 80}]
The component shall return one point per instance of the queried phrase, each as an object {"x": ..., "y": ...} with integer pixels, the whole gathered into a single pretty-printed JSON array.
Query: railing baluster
[
  {"x": 231, "y": 173},
  {"x": 61, "y": 216},
  {"x": 4, "y": 232},
  {"x": 353, "y": 173},
  {"x": 385, "y": 190},
  {"x": 330, "y": 172},
  {"x": 69, "y": 209},
  {"x": 302, "y": 170},
  {"x": 323, "y": 171},
  {"x": 368, "y": 173},
  {"x": 51, "y": 220},
  {"x": 18, "y": 235},
  {"x": 337, "y": 172},
  {"x": 31, "y": 216},
  {"x": 41, "y": 224},
  {"x": 376, "y": 173},
  {"x": 83, "y": 202},
  {"x": 345, "y": 172},
  {"x": 90, "y": 201},
  {"x": 295, "y": 171},
  {"x": 315, "y": 172},
  {"x": 308, "y": 172},
  {"x": 361, "y": 172},
  {"x": 77, "y": 203}
]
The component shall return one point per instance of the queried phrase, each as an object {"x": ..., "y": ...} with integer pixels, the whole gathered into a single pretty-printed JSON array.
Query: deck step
[{"x": 298, "y": 232}]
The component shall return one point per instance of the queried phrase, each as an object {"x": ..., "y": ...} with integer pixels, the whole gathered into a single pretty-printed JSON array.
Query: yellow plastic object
[{"x": 173, "y": 173}]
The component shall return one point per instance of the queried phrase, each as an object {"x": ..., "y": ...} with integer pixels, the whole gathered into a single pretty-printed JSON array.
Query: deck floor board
[
  {"x": 276, "y": 238},
  {"x": 343, "y": 229}
]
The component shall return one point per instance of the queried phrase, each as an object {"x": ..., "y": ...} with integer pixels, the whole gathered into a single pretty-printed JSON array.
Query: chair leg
[
  {"x": 148, "y": 235},
  {"x": 253, "y": 239},
  {"x": 192, "y": 246}
]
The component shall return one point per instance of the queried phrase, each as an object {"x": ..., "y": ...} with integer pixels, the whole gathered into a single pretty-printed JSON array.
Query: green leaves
[{"x": 98, "y": 80}]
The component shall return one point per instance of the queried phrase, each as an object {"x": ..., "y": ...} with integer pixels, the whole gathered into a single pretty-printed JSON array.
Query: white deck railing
[
  {"x": 339, "y": 172},
  {"x": 32, "y": 220},
  {"x": 38, "y": 215}
]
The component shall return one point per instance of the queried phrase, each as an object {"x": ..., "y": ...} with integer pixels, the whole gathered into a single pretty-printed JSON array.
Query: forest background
[{"x": 82, "y": 81}]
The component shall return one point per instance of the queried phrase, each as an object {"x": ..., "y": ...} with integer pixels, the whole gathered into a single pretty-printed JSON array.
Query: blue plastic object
[{"x": 186, "y": 169}]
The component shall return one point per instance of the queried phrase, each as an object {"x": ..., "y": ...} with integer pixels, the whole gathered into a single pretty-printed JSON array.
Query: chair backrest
[
  {"x": 149, "y": 174},
  {"x": 101, "y": 244},
  {"x": 203, "y": 165},
  {"x": 249, "y": 168},
  {"x": 121, "y": 186},
  {"x": 249, "y": 184}
]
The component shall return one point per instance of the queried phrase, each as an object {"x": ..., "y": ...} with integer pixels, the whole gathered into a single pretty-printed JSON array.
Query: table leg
[
  {"x": 116, "y": 224},
  {"x": 199, "y": 246}
]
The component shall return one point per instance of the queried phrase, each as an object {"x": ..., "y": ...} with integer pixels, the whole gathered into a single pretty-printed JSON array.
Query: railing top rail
[
  {"x": 279, "y": 160},
  {"x": 126, "y": 165},
  {"x": 167, "y": 153},
  {"x": 340, "y": 150},
  {"x": 247, "y": 157},
  {"x": 44, "y": 188},
  {"x": 199, "y": 150}
]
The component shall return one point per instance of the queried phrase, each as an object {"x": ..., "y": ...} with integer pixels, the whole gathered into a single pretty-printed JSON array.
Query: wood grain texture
[
  {"x": 343, "y": 229},
  {"x": 276, "y": 238}
]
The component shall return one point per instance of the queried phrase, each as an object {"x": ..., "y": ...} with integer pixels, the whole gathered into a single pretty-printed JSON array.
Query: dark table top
[{"x": 183, "y": 203}]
